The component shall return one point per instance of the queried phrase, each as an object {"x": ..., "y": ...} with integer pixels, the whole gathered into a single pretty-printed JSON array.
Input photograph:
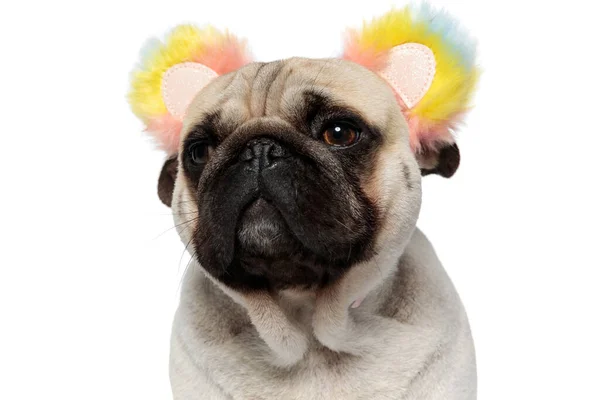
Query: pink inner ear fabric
[
  {"x": 410, "y": 70},
  {"x": 181, "y": 83}
]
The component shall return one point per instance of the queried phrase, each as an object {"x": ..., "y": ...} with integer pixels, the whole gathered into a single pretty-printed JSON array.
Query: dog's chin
[
  {"x": 263, "y": 233},
  {"x": 268, "y": 252}
]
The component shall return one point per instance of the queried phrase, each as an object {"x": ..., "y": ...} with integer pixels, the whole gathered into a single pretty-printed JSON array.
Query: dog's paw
[{"x": 288, "y": 351}]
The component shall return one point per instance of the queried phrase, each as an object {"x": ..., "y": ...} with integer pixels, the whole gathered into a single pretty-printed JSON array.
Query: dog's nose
[{"x": 264, "y": 152}]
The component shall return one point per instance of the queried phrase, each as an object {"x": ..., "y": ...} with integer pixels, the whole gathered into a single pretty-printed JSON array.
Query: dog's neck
[{"x": 289, "y": 319}]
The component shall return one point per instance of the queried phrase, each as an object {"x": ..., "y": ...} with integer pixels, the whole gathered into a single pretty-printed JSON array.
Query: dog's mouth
[
  {"x": 263, "y": 232},
  {"x": 267, "y": 251}
]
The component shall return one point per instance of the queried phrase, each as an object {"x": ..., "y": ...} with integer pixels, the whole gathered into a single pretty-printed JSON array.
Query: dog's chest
[
  {"x": 239, "y": 368},
  {"x": 216, "y": 343}
]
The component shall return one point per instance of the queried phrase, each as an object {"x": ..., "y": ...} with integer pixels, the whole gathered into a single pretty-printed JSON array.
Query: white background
[{"x": 90, "y": 270}]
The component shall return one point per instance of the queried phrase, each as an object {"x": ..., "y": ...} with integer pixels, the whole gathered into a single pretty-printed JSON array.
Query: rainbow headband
[{"x": 423, "y": 54}]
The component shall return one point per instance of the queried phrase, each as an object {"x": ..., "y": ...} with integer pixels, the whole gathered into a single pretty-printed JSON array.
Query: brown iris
[{"x": 340, "y": 134}]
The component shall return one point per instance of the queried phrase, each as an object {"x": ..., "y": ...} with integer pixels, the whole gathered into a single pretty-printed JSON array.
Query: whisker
[
  {"x": 342, "y": 224},
  {"x": 171, "y": 214},
  {"x": 319, "y": 73},
  {"x": 276, "y": 236},
  {"x": 186, "y": 269},
  {"x": 184, "y": 250},
  {"x": 185, "y": 201},
  {"x": 349, "y": 254},
  {"x": 377, "y": 264},
  {"x": 175, "y": 226}
]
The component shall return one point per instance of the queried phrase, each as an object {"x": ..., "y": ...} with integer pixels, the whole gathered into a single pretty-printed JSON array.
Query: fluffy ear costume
[
  {"x": 172, "y": 73},
  {"x": 429, "y": 62},
  {"x": 423, "y": 54}
]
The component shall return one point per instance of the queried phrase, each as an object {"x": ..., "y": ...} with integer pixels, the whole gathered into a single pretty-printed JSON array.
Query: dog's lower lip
[
  {"x": 256, "y": 203},
  {"x": 262, "y": 232}
]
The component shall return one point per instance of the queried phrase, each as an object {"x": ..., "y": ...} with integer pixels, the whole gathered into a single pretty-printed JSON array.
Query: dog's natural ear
[
  {"x": 443, "y": 161},
  {"x": 429, "y": 62},
  {"x": 166, "y": 180}
]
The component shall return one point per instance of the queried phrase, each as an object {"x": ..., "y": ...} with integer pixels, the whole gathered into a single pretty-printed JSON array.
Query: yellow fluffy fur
[
  {"x": 145, "y": 97},
  {"x": 454, "y": 81}
]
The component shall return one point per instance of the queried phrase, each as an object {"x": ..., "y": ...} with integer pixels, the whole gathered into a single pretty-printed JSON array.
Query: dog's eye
[
  {"x": 200, "y": 152},
  {"x": 340, "y": 134}
]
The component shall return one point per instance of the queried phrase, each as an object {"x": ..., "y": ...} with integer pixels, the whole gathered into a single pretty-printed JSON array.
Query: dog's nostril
[
  {"x": 247, "y": 154},
  {"x": 278, "y": 151}
]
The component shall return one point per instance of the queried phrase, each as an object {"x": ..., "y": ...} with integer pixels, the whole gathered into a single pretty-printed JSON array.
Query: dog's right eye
[{"x": 199, "y": 153}]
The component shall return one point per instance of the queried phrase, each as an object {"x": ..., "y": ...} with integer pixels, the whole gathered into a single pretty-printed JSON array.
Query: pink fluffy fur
[
  {"x": 165, "y": 130},
  {"x": 224, "y": 56},
  {"x": 425, "y": 135},
  {"x": 368, "y": 58}
]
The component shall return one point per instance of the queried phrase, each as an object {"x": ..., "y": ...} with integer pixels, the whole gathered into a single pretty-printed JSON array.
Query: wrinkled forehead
[{"x": 289, "y": 88}]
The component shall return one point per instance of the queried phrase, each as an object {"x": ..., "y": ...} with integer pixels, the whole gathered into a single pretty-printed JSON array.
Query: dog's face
[{"x": 291, "y": 172}]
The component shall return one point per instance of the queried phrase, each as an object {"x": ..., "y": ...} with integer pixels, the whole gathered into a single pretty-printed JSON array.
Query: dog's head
[
  {"x": 287, "y": 174},
  {"x": 291, "y": 171}
]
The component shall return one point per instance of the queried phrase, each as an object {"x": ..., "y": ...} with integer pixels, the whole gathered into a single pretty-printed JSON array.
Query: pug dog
[{"x": 296, "y": 187}]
